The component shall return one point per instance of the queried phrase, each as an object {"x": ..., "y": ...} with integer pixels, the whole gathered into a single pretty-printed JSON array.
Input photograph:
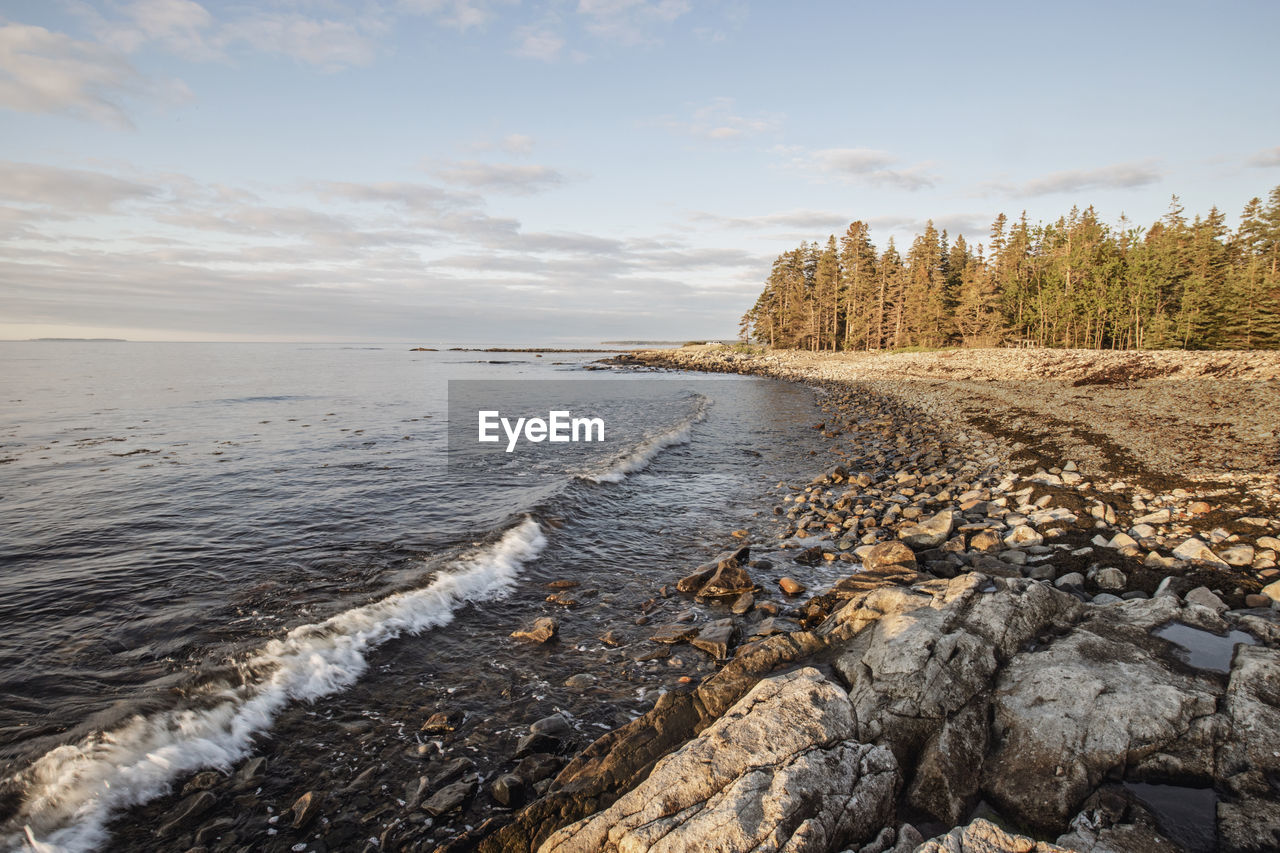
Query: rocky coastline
[{"x": 1028, "y": 606}]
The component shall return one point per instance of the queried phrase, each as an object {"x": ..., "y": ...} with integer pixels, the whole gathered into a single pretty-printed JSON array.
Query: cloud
[
  {"x": 180, "y": 26},
  {"x": 459, "y": 14},
  {"x": 47, "y": 72},
  {"x": 870, "y": 165},
  {"x": 538, "y": 41},
  {"x": 1265, "y": 158},
  {"x": 330, "y": 45},
  {"x": 718, "y": 120},
  {"x": 1119, "y": 176},
  {"x": 814, "y": 220},
  {"x": 630, "y": 21},
  {"x": 517, "y": 179},
  {"x": 51, "y": 189}
]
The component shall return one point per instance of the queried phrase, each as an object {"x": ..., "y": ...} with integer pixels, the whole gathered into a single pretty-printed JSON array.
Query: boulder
[
  {"x": 931, "y": 532},
  {"x": 778, "y": 771},
  {"x": 983, "y": 836},
  {"x": 888, "y": 554}
]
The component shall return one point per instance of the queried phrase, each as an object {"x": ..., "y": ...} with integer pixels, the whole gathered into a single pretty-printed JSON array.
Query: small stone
[
  {"x": 1195, "y": 549},
  {"x": 1268, "y": 543},
  {"x": 1198, "y": 508},
  {"x": 449, "y": 798},
  {"x": 1070, "y": 579},
  {"x": 556, "y": 725},
  {"x": 1111, "y": 578},
  {"x": 187, "y": 812},
  {"x": 1237, "y": 555},
  {"x": 542, "y": 630},
  {"x": 1106, "y": 598},
  {"x": 1256, "y": 600},
  {"x": 985, "y": 540},
  {"x": 1121, "y": 540},
  {"x": 929, "y": 533},
  {"x": 743, "y": 604},
  {"x": 442, "y": 722},
  {"x": 580, "y": 681},
  {"x": 534, "y": 743},
  {"x": 1165, "y": 588},
  {"x": 201, "y": 782},
  {"x": 612, "y": 638},
  {"x": 1160, "y": 516},
  {"x": 715, "y": 638},
  {"x": 888, "y": 554},
  {"x": 1205, "y": 598},
  {"x": 1272, "y": 591},
  {"x": 305, "y": 808},
  {"x": 1022, "y": 536},
  {"x": 509, "y": 790},
  {"x": 791, "y": 586}
]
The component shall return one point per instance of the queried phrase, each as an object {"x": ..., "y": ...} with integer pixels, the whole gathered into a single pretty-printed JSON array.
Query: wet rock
[
  {"x": 563, "y": 599},
  {"x": 703, "y": 575},
  {"x": 538, "y": 766},
  {"x": 888, "y": 554},
  {"x": 677, "y": 632},
  {"x": 449, "y": 798},
  {"x": 791, "y": 586},
  {"x": 581, "y": 681},
  {"x": 556, "y": 725},
  {"x": 251, "y": 773},
  {"x": 728, "y": 579},
  {"x": 185, "y": 815},
  {"x": 509, "y": 790},
  {"x": 612, "y": 638},
  {"x": 715, "y": 638},
  {"x": 442, "y": 722},
  {"x": 929, "y": 533},
  {"x": 775, "y": 625},
  {"x": 452, "y": 770},
  {"x": 542, "y": 630},
  {"x": 779, "y": 769},
  {"x": 202, "y": 781},
  {"x": 536, "y": 742},
  {"x": 306, "y": 808},
  {"x": 810, "y": 556},
  {"x": 743, "y": 604}
]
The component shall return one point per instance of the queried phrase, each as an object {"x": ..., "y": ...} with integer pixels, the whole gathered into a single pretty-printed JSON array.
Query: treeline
[{"x": 1075, "y": 283}]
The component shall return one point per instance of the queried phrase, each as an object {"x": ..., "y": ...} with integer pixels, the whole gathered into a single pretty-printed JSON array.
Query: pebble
[
  {"x": 791, "y": 586},
  {"x": 542, "y": 630},
  {"x": 1111, "y": 579},
  {"x": 1205, "y": 598}
]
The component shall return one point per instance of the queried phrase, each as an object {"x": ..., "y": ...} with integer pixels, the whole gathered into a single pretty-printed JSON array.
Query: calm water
[{"x": 201, "y": 540}]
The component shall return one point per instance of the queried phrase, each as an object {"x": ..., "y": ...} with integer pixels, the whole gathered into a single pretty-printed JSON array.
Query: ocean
[{"x": 215, "y": 551}]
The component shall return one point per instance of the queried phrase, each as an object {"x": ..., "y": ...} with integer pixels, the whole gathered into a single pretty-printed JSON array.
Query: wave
[
  {"x": 646, "y": 451},
  {"x": 72, "y": 791}
]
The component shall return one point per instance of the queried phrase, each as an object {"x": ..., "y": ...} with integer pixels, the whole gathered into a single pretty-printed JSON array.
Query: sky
[{"x": 574, "y": 171}]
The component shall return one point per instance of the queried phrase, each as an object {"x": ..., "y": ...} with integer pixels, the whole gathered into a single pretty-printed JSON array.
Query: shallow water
[
  {"x": 212, "y": 550},
  {"x": 1203, "y": 649}
]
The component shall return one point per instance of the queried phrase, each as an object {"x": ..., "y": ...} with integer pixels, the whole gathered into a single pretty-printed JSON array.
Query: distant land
[{"x": 82, "y": 340}]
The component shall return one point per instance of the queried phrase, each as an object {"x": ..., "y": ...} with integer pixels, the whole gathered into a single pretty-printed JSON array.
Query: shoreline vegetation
[
  {"x": 1057, "y": 631},
  {"x": 1075, "y": 283}
]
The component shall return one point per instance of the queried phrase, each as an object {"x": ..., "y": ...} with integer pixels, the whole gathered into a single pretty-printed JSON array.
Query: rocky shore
[{"x": 1028, "y": 606}]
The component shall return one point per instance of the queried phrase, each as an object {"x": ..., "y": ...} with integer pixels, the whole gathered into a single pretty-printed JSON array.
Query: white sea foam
[
  {"x": 71, "y": 791},
  {"x": 646, "y": 451}
]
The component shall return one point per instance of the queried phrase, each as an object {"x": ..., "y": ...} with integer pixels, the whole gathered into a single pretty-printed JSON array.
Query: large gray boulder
[{"x": 779, "y": 770}]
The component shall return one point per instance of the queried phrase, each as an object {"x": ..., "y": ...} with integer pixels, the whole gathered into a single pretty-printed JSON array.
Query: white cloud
[
  {"x": 59, "y": 190},
  {"x": 1265, "y": 158},
  {"x": 180, "y": 26},
  {"x": 459, "y": 14},
  {"x": 630, "y": 21},
  {"x": 519, "y": 179},
  {"x": 47, "y": 72},
  {"x": 1118, "y": 176},
  {"x": 539, "y": 41},
  {"x": 517, "y": 143},
  {"x": 718, "y": 120},
  {"x": 864, "y": 164},
  {"x": 330, "y": 45}
]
